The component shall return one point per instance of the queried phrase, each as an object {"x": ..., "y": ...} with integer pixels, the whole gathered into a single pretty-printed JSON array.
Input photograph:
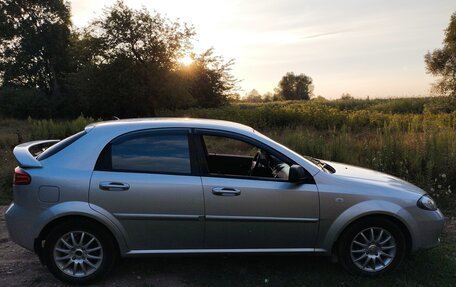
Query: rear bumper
[
  {"x": 429, "y": 229},
  {"x": 19, "y": 222}
]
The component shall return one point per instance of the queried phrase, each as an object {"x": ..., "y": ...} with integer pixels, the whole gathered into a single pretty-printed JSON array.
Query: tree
[
  {"x": 34, "y": 44},
  {"x": 253, "y": 97},
  {"x": 234, "y": 97},
  {"x": 211, "y": 82},
  {"x": 130, "y": 55},
  {"x": 442, "y": 62},
  {"x": 295, "y": 87},
  {"x": 346, "y": 97},
  {"x": 268, "y": 97},
  {"x": 125, "y": 63},
  {"x": 319, "y": 99}
]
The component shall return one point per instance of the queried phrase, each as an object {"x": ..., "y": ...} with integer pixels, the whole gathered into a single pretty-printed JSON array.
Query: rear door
[{"x": 146, "y": 180}]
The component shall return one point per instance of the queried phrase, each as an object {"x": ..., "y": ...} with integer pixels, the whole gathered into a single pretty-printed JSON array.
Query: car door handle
[
  {"x": 114, "y": 186},
  {"x": 226, "y": 191}
]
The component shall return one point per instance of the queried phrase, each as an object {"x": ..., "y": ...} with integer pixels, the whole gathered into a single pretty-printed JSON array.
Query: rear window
[
  {"x": 60, "y": 145},
  {"x": 147, "y": 152}
]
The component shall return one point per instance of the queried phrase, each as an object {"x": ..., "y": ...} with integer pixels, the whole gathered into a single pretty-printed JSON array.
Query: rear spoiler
[{"x": 23, "y": 155}]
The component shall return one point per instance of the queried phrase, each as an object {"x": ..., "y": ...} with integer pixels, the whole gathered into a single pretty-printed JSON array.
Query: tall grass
[
  {"x": 417, "y": 146},
  {"x": 426, "y": 159},
  {"x": 386, "y": 135},
  {"x": 321, "y": 117},
  {"x": 13, "y": 132}
]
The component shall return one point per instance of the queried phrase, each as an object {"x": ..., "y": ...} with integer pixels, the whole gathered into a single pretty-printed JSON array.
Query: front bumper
[
  {"x": 19, "y": 223},
  {"x": 429, "y": 229}
]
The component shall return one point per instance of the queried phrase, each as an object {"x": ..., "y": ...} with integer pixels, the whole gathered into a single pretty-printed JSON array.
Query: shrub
[{"x": 23, "y": 102}]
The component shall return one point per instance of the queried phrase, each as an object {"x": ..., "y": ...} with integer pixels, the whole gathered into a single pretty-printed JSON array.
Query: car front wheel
[
  {"x": 372, "y": 246},
  {"x": 79, "y": 252}
]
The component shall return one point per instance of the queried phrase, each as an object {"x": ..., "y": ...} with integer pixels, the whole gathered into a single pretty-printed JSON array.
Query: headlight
[{"x": 426, "y": 202}]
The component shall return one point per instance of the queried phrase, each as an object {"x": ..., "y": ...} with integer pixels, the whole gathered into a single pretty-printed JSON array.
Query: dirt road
[{"x": 20, "y": 267}]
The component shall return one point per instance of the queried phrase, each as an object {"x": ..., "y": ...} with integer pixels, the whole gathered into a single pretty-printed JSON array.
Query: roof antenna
[{"x": 115, "y": 118}]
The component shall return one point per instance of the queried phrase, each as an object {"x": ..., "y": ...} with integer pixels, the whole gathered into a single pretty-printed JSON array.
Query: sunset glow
[
  {"x": 186, "y": 60},
  {"x": 365, "y": 48}
]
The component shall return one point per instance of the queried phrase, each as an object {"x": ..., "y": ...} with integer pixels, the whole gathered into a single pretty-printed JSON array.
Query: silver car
[{"x": 136, "y": 187}]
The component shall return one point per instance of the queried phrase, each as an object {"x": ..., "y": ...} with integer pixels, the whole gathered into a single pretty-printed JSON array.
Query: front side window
[
  {"x": 228, "y": 146},
  {"x": 149, "y": 152},
  {"x": 233, "y": 157}
]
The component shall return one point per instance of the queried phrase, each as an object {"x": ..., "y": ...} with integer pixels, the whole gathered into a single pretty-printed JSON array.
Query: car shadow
[{"x": 220, "y": 270}]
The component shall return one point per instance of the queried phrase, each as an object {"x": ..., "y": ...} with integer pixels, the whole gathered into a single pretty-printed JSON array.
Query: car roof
[
  {"x": 144, "y": 123},
  {"x": 110, "y": 129}
]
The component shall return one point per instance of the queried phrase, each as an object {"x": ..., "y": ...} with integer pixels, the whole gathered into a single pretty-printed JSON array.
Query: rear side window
[
  {"x": 151, "y": 152},
  {"x": 60, "y": 146}
]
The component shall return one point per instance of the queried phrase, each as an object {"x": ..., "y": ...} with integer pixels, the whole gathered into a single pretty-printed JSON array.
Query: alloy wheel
[
  {"x": 373, "y": 249},
  {"x": 78, "y": 254}
]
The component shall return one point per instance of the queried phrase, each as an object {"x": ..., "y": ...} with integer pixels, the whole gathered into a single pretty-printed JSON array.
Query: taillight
[{"x": 21, "y": 177}]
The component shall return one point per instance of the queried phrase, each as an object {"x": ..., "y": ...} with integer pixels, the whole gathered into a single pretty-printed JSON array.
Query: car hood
[{"x": 359, "y": 174}]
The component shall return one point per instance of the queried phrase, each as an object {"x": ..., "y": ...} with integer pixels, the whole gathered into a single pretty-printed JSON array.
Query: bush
[
  {"x": 401, "y": 106},
  {"x": 23, "y": 102},
  {"x": 441, "y": 105},
  {"x": 50, "y": 129}
]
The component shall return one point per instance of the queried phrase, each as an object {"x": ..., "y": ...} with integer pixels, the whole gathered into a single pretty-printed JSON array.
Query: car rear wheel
[
  {"x": 372, "y": 246},
  {"x": 79, "y": 252}
]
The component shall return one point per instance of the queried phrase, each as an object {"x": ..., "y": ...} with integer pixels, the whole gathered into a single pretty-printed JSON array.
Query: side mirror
[{"x": 297, "y": 174}]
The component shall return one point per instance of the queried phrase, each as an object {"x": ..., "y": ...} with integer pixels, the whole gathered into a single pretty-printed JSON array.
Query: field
[
  {"x": 403, "y": 137},
  {"x": 394, "y": 136},
  {"x": 408, "y": 138}
]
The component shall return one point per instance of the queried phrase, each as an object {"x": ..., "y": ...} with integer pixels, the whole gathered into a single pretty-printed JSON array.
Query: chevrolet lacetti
[{"x": 136, "y": 187}]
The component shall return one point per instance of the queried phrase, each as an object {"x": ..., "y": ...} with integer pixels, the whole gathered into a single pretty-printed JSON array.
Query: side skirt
[{"x": 134, "y": 253}]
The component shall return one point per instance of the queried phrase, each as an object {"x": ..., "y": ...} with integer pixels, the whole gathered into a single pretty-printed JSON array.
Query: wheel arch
[
  {"x": 39, "y": 241},
  {"x": 387, "y": 210},
  {"x": 61, "y": 213},
  {"x": 384, "y": 216}
]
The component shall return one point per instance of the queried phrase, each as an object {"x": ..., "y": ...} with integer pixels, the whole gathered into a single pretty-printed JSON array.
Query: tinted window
[
  {"x": 228, "y": 146},
  {"x": 149, "y": 152},
  {"x": 60, "y": 146},
  {"x": 233, "y": 157}
]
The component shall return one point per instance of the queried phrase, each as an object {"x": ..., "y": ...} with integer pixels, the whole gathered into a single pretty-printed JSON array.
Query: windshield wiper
[{"x": 322, "y": 164}]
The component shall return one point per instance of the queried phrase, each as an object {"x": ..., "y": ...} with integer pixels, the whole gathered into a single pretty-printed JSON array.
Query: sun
[{"x": 186, "y": 60}]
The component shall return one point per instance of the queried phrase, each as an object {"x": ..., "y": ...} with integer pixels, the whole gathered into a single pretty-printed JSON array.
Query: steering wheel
[{"x": 260, "y": 158}]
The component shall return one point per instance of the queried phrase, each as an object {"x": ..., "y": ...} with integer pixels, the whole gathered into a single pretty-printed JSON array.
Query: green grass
[
  {"x": 321, "y": 116},
  {"x": 435, "y": 267},
  {"x": 423, "y": 158},
  {"x": 13, "y": 131},
  {"x": 396, "y": 136},
  {"x": 417, "y": 147}
]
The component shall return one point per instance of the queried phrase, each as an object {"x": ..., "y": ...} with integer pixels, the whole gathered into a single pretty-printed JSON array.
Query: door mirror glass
[{"x": 297, "y": 174}]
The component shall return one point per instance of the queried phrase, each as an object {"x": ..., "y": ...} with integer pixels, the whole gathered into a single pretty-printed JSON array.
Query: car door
[
  {"x": 145, "y": 180},
  {"x": 245, "y": 211}
]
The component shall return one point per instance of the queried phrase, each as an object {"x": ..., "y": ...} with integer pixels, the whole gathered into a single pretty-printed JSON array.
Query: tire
[
  {"x": 94, "y": 255},
  {"x": 355, "y": 250}
]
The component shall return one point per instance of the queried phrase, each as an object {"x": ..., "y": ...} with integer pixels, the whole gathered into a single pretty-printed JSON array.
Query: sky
[{"x": 362, "y": 47}]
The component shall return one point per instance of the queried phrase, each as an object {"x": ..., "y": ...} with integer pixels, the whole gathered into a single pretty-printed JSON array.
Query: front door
[
  {"x": 254, "y": 206},
  {"x": 145, "y": 180}
]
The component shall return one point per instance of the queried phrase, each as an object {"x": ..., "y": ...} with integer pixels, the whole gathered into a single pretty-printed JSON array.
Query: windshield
[{"x": 319, "y": 166}]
